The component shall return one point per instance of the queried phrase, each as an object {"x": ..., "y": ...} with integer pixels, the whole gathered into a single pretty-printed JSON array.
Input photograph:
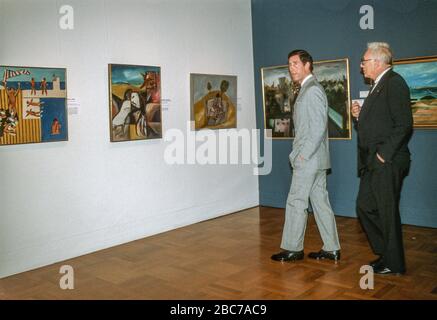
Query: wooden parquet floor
[{"x": 229, "y": 258}]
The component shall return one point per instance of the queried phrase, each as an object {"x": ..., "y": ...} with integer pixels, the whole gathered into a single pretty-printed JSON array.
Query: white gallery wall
[{"x": 65, "y": 199}]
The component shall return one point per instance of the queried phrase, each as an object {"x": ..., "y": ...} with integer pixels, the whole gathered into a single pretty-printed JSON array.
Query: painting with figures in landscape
[
  {"x": 134, "y": 102},
  {"x": 421, "y": 77},
  {"x": 213, "y": 101},
  {"x": 33, "y": 105},
  {"x": 280, "y": 93}
]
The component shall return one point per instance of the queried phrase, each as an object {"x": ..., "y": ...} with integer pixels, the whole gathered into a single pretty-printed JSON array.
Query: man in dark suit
[{"x": 384, "y": 124}]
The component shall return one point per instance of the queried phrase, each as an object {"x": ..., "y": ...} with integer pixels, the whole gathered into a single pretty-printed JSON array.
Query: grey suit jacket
[{"x": 310, "y": 117}]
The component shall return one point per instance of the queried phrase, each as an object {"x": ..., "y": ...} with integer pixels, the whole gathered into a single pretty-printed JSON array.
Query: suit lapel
[
  {"x": 369, "y": 102},
  {"x": 367, "y": 105},
  {"x": 300, "y": 97}
]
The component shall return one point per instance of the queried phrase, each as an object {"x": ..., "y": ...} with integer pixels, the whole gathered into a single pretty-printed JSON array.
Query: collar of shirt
[
  {"x": 306, "y": 79},
  {"x": 380, "y": 76}
]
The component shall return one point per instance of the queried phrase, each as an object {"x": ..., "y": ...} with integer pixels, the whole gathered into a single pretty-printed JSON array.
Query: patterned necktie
[{"x": 295, "y": 88}]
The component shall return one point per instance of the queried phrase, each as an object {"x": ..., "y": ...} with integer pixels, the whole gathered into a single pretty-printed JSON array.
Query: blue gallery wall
[{"x": 330, "y": 30}]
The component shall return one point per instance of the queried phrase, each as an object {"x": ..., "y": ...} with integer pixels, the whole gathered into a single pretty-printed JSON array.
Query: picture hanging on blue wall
[
  {"x": 279, "y": 94},
  {"x": 421, "y": 77}
]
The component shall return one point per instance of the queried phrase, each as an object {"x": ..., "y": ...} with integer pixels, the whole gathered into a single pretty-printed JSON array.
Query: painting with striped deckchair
[{"x": 32, "y": 105}]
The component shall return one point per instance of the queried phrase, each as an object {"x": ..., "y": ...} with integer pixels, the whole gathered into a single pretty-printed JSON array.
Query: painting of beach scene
[
  {"x": 421, "y": 77},
  {"x": 134, "y": 102},
  {"x": 32, "y": 105}
]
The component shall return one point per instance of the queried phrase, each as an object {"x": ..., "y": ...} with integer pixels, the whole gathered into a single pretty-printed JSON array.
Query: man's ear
[{"x": 379, "y": 63}]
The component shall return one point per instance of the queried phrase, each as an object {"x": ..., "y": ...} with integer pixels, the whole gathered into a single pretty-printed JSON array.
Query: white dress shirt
[
  {"x": 306, "y": 79},
  {"x": 379, "y": 78}
]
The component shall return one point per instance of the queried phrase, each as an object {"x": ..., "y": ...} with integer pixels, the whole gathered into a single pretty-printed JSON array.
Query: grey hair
[{"x": 381, "y": 51}]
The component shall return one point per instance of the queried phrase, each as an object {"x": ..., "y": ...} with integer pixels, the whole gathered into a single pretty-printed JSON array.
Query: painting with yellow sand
[
  {"x": 213, "y": 101},
  {"x": 33, "y": 105},
  {"x": 135, "y": 102},
  {"x": 421, "y": 77}
]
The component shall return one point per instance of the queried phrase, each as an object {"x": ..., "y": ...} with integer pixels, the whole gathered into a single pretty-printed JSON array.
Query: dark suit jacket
[{"x": 385, "y": 124}]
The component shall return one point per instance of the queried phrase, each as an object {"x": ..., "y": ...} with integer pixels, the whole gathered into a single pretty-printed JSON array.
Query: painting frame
[
  {"x": 421, "y": 80},
  {"x": 135, "y": 102},
  {"x": 282, "y": 96},
  {"x": 215, "y": 107},
  {"x": 33, "y": 111}
]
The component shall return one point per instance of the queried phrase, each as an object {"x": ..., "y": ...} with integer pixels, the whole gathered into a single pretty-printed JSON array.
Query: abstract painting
[
  {"x": 134, "y": 102},
  {"x": 280, "y": 93},
  {"x": 213, "y": 101},
  {"x": 32, "y": 105},
  {"x": 421, "y": 77}
]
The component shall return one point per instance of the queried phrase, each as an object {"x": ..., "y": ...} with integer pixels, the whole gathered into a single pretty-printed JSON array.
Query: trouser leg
[
  {"x": 387, "y": 185},
  {"x": 323, "y": 213},
  {"x": 368, "y": 214},
  {"x": 295, "y": 212}
]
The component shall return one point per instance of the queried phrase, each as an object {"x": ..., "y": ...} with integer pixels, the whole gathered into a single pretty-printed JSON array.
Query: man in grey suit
[{"x": 310, "y": 161}]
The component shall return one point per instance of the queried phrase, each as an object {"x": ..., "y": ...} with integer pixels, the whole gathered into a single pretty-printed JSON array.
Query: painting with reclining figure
[{"x": 134, "y": 102}]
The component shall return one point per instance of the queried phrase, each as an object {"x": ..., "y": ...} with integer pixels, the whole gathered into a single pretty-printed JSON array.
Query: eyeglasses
[{"x": 365, "y": 60}]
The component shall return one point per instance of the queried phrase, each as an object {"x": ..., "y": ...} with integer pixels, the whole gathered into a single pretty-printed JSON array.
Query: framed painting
[
  {"x": 213, "y": 101},
  {"x": 33, "y": 105},
  {"x": 421, "y": 77},
  {"x": 134, "y": 102},
  {"x": 280, "y": 93}
]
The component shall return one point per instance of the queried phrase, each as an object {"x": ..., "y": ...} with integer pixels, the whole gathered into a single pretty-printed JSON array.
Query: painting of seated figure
[{"x": 213, "y": 101}]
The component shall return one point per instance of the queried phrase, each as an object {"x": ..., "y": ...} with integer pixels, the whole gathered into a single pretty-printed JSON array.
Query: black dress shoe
[
  {"x": 376, "y": 262},
  {"x": 382, "y": 269},
  {"x": 322, "y": 254},
  {"x": 288, "y": 256}
]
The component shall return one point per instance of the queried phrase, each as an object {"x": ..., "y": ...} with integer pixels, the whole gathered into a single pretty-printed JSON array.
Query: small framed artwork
[
  {"x": 213, "y": 101},
  {"x": 134, "y": 102},
  {"x": 33, "y": 105},
  {"x": 421, "y": 77},
  {"x": 280, "y": 93}
]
